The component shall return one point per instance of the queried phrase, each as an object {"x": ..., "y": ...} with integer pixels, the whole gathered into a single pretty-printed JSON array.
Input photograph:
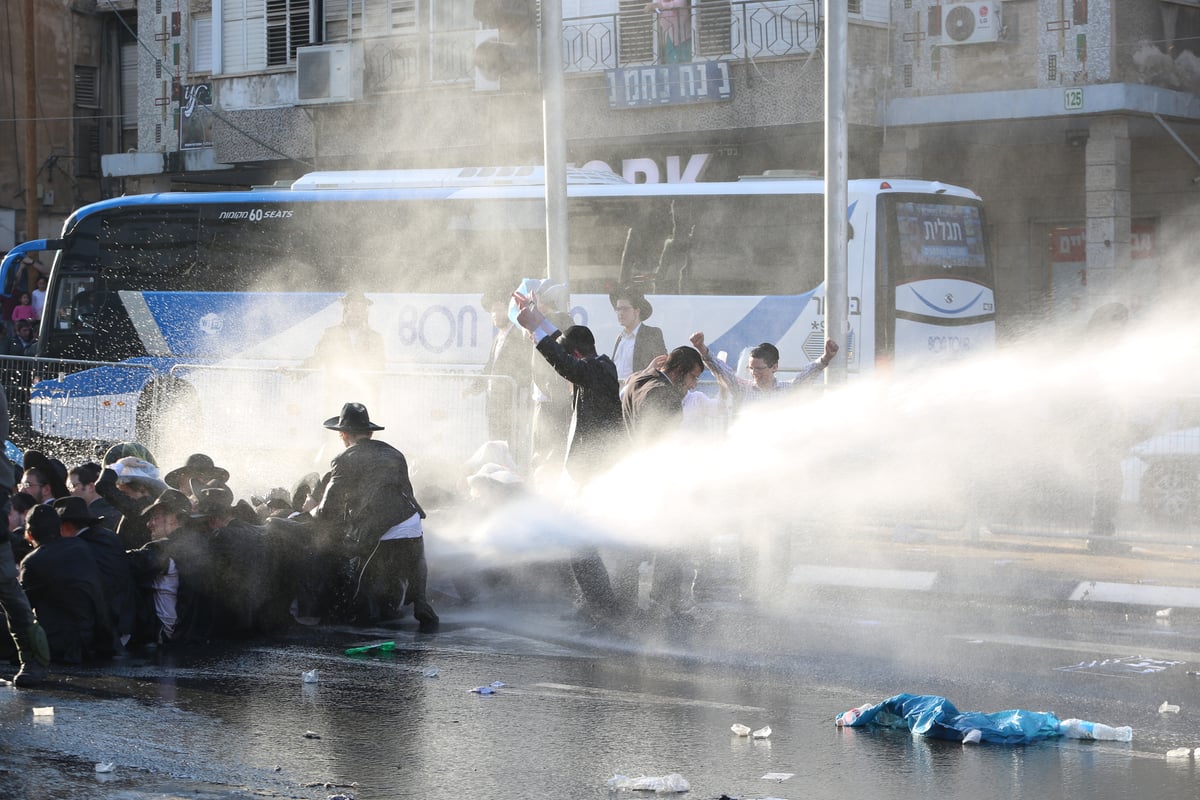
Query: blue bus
[{"x": 147, "y": 290}]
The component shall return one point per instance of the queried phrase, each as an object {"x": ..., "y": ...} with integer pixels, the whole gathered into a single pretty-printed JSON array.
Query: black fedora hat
[
  {"x": 172, "y": 501},
  {"x": 54, "y": 470},
  {"x": 74, "y": 509},
  {"x": 212, "y": 498},
  {"x": 638, "y": 300},
  {"x": 199, "y": 465},
  {"x": 354, "y": 419}
]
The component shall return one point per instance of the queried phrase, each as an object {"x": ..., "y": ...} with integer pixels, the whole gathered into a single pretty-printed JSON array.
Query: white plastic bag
[{"x": 663, "y": 785}]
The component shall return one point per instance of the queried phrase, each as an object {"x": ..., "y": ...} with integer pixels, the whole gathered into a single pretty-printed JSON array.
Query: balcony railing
[{"x": 720, "y": 30}]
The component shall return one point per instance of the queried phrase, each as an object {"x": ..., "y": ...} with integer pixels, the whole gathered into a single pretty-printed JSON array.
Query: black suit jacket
[
  {"x": 368, "y": 492},
  {"x": 63, "y": 585},
  {"x": 116, "y": 573},
  {"x": 595, "y": 406},
  {"x": 647, "y": 345}
]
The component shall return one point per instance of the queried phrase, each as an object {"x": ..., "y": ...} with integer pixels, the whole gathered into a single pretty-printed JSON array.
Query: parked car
[{"x": 1162, "y": 475}]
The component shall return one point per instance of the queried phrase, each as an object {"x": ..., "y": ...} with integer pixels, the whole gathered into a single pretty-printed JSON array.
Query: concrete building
[
  {"x": 1076, "y": 120},
  {"x": 79, "y": 48}
]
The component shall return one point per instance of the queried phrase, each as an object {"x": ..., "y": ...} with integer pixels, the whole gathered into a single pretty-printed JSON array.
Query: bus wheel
[{"x": 168, "y": 409}]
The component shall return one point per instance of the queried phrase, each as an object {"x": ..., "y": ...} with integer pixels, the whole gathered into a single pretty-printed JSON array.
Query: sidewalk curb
[{"x": 1024, "y": 586}]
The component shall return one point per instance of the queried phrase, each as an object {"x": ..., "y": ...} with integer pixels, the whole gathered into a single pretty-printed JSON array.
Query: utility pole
[
  {"x": 31, "y": 157},
  {"x": 837, "y": 302},
  {"x": 554, "y": 143}
]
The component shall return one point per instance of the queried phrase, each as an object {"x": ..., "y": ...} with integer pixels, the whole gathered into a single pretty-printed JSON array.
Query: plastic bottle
[
  {"x": 847, "y": 718},
  {"x": 378, "y": 647},
  {"x": 1082, "y": 729}
]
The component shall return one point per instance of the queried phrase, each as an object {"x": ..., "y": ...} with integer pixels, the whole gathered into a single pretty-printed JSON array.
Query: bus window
[
  {"x": 764, "y": 245},
  {"x": 72, "y": 293}
]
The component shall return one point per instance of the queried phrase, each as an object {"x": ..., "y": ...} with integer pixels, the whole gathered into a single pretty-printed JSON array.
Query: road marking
[
  {"x": 1136, "y": 594},
  {"x": 863, "y": 577},
  {"x": 1114, "y": 651}
]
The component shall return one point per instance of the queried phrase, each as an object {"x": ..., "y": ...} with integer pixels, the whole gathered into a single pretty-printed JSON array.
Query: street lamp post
[
  {"x": 554, "y": 143},
  {"x": 836, "y": 195}
]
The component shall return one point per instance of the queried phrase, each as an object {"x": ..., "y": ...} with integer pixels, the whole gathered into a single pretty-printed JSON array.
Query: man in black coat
[
  {"x": 653, "y": 400},
  {"x": 116, "y": 573},
  {"x": 652, "y": 407},
  {"x": 63, "y": 585},
  {"x": 595, "y": 428},
  {"x": 595, "y": 392},
  {"x": 177, "y": 573},
  {"x": 369, "y": 497},
  {"x": 81, "y": 482}
]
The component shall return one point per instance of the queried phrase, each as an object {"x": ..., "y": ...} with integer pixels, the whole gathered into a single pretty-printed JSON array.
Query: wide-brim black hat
[
  {"x": 637, "y": 298},
  {"x": 304, "y": 488},
  {"x": 172, "y": 501},
  {"x": 354, "y": 419},
  {"x": 200, "y": 466},
  {"x": 213, "y": 498},
  {"x": 74, "y": 509},
  {"x": 54, "y": 470}
]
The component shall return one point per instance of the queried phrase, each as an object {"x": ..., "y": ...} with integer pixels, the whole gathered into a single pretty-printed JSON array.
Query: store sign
[
  {"x": 669, "y": 84},
  {"x": 648, "y": 170},
  {"x": 1068, "y": 263},
  {"x": 195, "y": 121}
]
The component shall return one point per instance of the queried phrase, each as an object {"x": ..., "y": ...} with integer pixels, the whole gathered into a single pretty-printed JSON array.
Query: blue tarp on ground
[{"x": 937, "y": 717}]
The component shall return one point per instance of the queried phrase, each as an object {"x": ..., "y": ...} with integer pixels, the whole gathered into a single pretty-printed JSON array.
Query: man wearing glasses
[
  {"x": 764, "y": 361},
  {"x": 34, "y": 483}
]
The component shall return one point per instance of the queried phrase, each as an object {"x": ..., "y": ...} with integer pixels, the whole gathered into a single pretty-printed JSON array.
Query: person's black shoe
[{"x": 428, "y": 625}]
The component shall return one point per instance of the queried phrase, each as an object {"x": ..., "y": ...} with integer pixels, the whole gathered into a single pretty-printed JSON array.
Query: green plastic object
[{"x": 378, "y": 647}]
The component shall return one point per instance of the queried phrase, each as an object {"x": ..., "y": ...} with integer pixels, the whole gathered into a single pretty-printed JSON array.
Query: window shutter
[
  {"x": 129, "y": 85},
  {"x": 202, "y": 44}
]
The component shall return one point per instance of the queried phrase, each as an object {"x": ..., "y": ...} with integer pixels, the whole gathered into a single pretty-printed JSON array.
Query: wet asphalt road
[{"x": 581, "y": 705}]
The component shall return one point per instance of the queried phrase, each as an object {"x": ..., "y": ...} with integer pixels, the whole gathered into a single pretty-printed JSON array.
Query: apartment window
[
  {"x": 201, "y": 47},
  {"x": 352, "y": 19},
  {"x": 243, "y": 35},
  {"x": 87, "y": 89},
  {"x": 129, "y": 85},
  {"x": 288, "y": 27},
  {"x": 854, "y": 6},
  {"x": 87, "y": 149}
]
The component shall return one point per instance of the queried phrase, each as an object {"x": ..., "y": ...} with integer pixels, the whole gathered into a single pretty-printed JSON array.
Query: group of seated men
[{"x": 114, "y": 557}]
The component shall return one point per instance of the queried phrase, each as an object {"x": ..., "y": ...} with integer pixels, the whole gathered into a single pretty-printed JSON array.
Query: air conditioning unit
[
  {"x": 329, "y": 73},
  {"x": 971, "y": 23}
]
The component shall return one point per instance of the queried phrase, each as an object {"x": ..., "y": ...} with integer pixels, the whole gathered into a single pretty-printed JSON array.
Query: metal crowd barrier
[
  {"x": 276, "y": 412},
  {"x": 262, "y": 411}
]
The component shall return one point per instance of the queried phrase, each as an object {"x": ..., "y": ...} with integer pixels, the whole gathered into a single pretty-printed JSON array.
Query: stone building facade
[{"x": 1076, "y": 120}]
